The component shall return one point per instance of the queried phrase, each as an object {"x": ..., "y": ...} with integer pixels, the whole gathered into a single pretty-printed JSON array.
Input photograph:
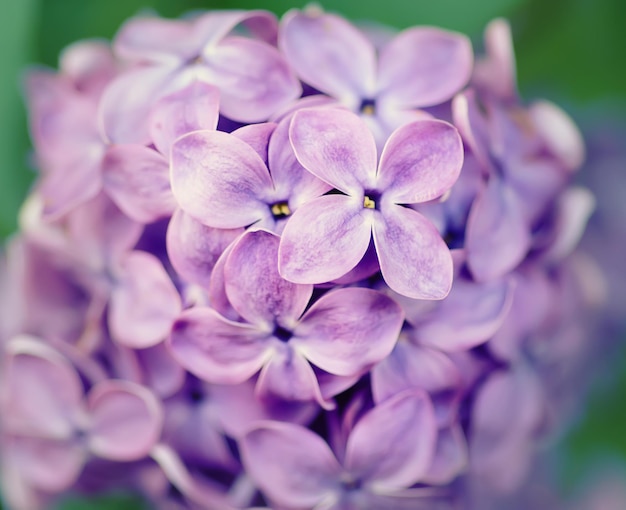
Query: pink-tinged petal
[
  {"x": 424, "y": 67},
  {"x": 144, "y": 302},
  {"x": 191, "y": 108},
  {"x": 216, "y": 349},
  {"x": 253, "y": 77},
  {"x": 194, "y": 248},
  {"x": 160, "y": 371},
  {"x": 254, "y": 287},
  {"x": 497, "y": 236},
  {"x": 219, "y": 179},
  {"x": 414, "y": 259},
  {"x": 292, "y": 465},
  {"x": 213, "y": 26},
  {"x": 392, "y": 446},
  {"x": 257, "y": 136},
  {"x": 559, "y": 133},
  {"x": 288, "y": 376},
  {"x": 348, "y": 330},
  {"x": 413, "y": 366},
  {"x": 126, "y": 420},
  {"x": 125, "y": 106},
  {"x": 336, "y": 146},
  {"x": 324, "y": 239},
  {"x": 330, "y": 54},
  {"x": 470, "y": 315},
  {"x": 420, "y": 162},
  {"x": 90, "y": 65},
  {"x": 42, "y": 393},
  {"x": 472, "y": 126},
  {"x": 137, "y": 180},
  {"x": 451, "y": 456},
  {"x": 47, "y": 464}
]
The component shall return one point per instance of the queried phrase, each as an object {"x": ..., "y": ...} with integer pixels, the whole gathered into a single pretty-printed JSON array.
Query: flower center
[
  {"x": 371, "y": 199},
  {"x": 282, "y": 334},
  {"x": 280, "y": 210},
  {"x": 368, "y": 107}
]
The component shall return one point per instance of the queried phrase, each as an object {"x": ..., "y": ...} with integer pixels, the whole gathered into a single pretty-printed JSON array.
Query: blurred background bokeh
[{"x": 568, "y": 51}]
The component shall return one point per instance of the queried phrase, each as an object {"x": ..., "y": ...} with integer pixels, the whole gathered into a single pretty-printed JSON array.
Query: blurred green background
[{"x": 568, "y": 51}]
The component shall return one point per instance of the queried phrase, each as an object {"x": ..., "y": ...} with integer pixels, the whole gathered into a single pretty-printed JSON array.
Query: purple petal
[
  {"x": 336, "y": 146},
  {"x": 137, "y": 180},
  {"x": 472, "y": 125},
  {"x": 216, "y": 349},
  {"x": 291, "y": 464},
  {"x": 420, "y": 162},
  {"x": 126, "y": 420},
  {"x": 451, "y": 456},
  {"x": 189, "y": 109},
  {"x": 329, "y": 54},
  {"x": 218, "y": 299},
  {"x": 254, "y": 287},
  {"x": 144, "y": 303},
  {"x": 90, "y": 65},
  {"x": 424, "y": 67},
  {"x": 193, "y": 248},
  {"x": 160, "y": 371},
  {"x": 497, "y": 237},
  {"x": 218, "y": 179},
  {"x": 253, "y": 77},
  {"x": 348, "y": 330},
  {"x": 324, "y": 239},
  {"x": 392, "y": 446},
  {"x": 414, "y": 259},
  {"x": 215, "y": 25},
  {"x": 257, "y": 136}
]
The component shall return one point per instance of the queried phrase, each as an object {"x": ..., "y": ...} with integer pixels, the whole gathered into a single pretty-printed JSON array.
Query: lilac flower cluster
[{"x": 291, "y": 265}]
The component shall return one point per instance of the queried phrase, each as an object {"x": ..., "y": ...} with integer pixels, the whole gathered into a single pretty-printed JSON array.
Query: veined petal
[
  {"x": 330, "y": 54},
  {"x": 424, "y": 66},
  {"x": 348, "y": 330},
  {"x": 255, "y": 288},
  {"x": 323, "y": 240},
  {"x": 217, "y": 179},
  {"x": 137, "y": 180},
  {"x": 254, "y": 79},
  {"x": 414, "y": 259},
  {"x": 144, "y": 303},
  {"x": 393, "y": 445},
  {"x": 420, "y": 162},
  {"x": 336, "y": 146},
  {"x": 292, "y": 465},
  {"x": 216, "y": 349},
  {"x": 126, "y": 420}
]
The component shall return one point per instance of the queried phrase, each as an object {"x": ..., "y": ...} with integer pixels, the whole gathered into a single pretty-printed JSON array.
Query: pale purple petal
[
  {"x": 212, "y": 26},
  {"x": 90, "y": 65},
  {"x": 472, "y": 126},
  {"x": 336, "y": 146},
  {"x": 392, "y": 446},
  {"x": 194, "y": 248},
  {"x": 330, "y": 54},
  {"x": 257, "y": 136},
  {"x": 144, "y": 302},
  {"x": 451, "y": 456},
  {"x": 348, "y": 330},
  {"x": 324, "y": 239},
  {"x": 126, "y": 420},
  {"x": 497, "y": 237},
  {"x": 254, "y": 287},
  {"x": 218, "y": 299},
  {"x": 423, "y": 67},
  {"x": 216, "y": 349},
  {"x": 160, "y": 371},
  {"x": 218, "y": 179},
  {"x": 137, "y": 180},
  {"x": 191, "y": 108},
  {"x": 414, "y": 259},
  {"x": 420, "y": 162},
  {"x": 291, "y": 464},
  {"x": 253, "y": 77}
]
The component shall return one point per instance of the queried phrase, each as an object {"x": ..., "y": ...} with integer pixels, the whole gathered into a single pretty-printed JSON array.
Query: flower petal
[
  {"x": 257, "y": 136},
  {"x": 348, "y": 330},
  {"x": 420, "y": 162},
  {"x": 323, "y": 240},
  {"x": 126, "y": 420},
  {"x": 393, "y": 445},
  {"x": 218, "y": 179},
  {"x": 145, "y": 302},
  {"x": 191, "y": 108},
  {"x": 137, "y": 180},
  {"x": 216, "y": 349},
  {"x": 451, "y": 456},
  {"x": 254, "y": 287},
  {"x": 414, "y": 259},
  {"x": 160, "y": 371},
  {"x": 329, "y": 54},
  {"x": 291, "y": 464},
  {"x": 424, "y": 66},
  {"x": 336, "y": 146}
]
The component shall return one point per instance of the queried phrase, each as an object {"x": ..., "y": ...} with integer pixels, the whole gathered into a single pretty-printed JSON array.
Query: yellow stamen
[
  {"x": 368, "y": 109},
  {"x": 368, "y": 203},
  {"x": 281, "y": 209}
]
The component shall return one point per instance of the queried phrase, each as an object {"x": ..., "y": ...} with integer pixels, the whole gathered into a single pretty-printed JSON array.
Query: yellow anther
[
  {"x": 368, "y": 109},
  {"x": 281, "y": 209},
  {"x": 368, "y": 203}
]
